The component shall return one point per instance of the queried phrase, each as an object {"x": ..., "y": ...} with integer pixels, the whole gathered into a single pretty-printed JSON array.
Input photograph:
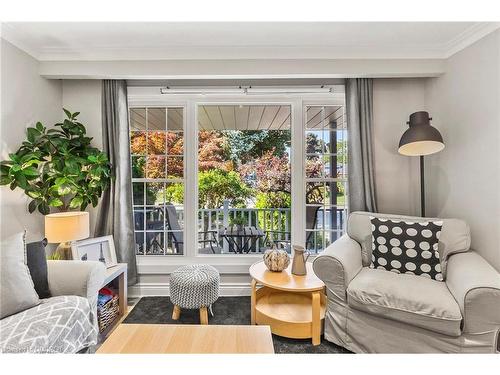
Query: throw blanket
[{"x": 62, "y": 324}]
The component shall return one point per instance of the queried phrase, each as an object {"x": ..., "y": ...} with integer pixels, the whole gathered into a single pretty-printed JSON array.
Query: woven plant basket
[{"x": 107, "y": 314}]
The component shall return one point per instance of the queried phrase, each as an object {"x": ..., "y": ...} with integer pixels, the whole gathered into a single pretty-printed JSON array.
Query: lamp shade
[
  {"x": 66, "y": 226},
  {"x": 421, "y": 138}
]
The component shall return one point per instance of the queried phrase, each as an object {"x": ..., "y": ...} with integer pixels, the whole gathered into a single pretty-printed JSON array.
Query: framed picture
[{"x": 101, "y": 249}]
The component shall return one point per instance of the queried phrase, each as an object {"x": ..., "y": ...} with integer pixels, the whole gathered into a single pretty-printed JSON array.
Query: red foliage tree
[
  {"x": 269, "y": 173},
  {"x": 211, "y": 151}
]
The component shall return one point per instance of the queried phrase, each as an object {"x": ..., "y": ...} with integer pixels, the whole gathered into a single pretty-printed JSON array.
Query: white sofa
[{"x": 378, "y": 311}]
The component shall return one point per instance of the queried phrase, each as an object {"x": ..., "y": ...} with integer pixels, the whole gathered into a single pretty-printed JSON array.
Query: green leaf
[
  {"x": 55, "y": 202},
  {"x": 15, "y": 168},
  {"x": 4, "y": 180},
  {"x": 40, "y": 127},
  {"x": 33, "y": 134},
  {"x": 68, "y": 113},
  {"x": 4, "y": 169},
  {"x": 54, "y": 131},
  {"x": 30, "y": 163},
  {"x": 64, "y": 189},
  {"x": 60, "y": 181},
  {"x": 76, "y": 202},
  {"x": 30, "y": 171},
  {"x": 21, "y": 181},
  {"x": 32, "y": 206},
  {"x": 44, "y": 208},
  {"x": 34, "y": 194},
  {"x": 75, "y": 114},
  {"x": 28, "y": 157},
  {"x": 15, "y": 158}
]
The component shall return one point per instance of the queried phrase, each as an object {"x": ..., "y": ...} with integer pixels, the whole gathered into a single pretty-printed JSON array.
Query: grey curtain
[
  {"x": 115, "y": 213},
  {"x": 359, "y": 107}
]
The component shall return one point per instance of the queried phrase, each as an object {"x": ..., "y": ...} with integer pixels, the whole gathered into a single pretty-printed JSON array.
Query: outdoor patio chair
[
  {"x": 279, "y": 237},
  {"x": 311, "y": 221},
  {"x": 154, "y": 240},
  {"x": 177, "y": 234}
]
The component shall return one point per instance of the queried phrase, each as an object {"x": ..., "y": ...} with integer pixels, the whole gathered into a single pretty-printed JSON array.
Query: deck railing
[{"x": 275, "y": 223}]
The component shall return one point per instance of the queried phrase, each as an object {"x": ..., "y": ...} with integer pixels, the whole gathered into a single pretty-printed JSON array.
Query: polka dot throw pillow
[{"x": 406, "y": 247}]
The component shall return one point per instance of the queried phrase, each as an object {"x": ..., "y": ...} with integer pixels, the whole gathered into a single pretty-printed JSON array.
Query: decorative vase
[{"x": 276, "y": 260}]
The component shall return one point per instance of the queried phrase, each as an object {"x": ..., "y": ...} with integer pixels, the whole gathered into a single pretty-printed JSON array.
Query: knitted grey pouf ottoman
[{"x": 195, "y": 286}]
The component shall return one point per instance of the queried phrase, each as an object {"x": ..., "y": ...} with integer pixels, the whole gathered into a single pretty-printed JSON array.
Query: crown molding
[
  {"x": 17, "y": 37},
  {"x": 468, "y": 37},
  {"x": 242, "y": 52}
]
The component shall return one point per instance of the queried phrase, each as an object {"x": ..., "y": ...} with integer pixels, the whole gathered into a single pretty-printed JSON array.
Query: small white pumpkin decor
[{"x": 276, "y": 260}]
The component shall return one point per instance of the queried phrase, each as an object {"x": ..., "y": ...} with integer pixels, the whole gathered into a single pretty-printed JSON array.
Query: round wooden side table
[{"x": 293, "y": 306}]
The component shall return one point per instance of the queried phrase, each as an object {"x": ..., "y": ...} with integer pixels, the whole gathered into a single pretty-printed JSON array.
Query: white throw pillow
[{"x": 17, "y": 292}]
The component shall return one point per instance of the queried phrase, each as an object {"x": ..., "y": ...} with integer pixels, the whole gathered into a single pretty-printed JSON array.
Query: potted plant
[
  {"x": 58, "y": 168},
  {"x": 239, "y": 221}
]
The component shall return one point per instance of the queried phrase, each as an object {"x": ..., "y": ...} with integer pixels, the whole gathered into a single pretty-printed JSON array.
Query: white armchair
[{"x": 373, "y": 310}]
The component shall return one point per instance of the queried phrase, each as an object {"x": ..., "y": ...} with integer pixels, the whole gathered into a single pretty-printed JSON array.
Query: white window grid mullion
[
  {"x": 144, "y": 181},
  {"x": 328, "y": 180},
  {"x": 164, "y": 203},
  {"x": 146, "y": 157}
]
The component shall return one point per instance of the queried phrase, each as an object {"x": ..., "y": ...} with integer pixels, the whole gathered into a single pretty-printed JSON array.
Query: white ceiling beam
[{"x": 242, "y": 69}]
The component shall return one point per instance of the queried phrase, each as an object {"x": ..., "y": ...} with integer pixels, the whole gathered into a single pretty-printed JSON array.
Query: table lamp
[
  {"x": 65, "y": 227},
  {"x": 419, "y": 140}
]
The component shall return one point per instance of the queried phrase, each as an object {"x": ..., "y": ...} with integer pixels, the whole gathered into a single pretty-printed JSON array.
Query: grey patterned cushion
[
  {"x": 194, "y": 286},
  {"x": 62, "y": 324}
]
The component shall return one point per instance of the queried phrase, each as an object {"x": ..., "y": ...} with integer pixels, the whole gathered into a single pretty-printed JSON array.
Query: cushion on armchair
[
  {"x": 406, "y": 298},
  {"x": 37, "y": 264},
  {"x": 17, "y": 292},
  {"x": 454, "y": 238},
  {"x": 406, "y": 247}
]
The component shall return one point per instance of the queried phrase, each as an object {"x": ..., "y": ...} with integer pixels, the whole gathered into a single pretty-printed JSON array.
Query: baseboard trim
[{"x": 163, "y": 289}]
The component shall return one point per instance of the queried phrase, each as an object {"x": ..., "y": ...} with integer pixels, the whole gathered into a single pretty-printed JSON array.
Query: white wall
[
  {"x": 84, "y": 96},
  {"x": 396, "y": 176},
  {"x": 26, "y": 98},
  {"x": 464, "y": 179}
]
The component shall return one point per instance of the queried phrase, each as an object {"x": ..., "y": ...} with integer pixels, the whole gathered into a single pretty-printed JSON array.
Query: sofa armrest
[
  {"x": 75, "y": 277},
  {"x": 337, "y": 265},
  {"x": 475, "y": 284}
]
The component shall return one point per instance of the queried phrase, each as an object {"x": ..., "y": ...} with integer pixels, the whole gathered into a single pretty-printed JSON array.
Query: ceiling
[
  {"x": 249, "y": 40},
  {"x": 244, "y": 117},
  {"x": 235, "y": 117}
]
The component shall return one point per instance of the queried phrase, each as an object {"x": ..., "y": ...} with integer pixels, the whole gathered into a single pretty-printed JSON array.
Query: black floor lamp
[{"x": 419, "y": 140}]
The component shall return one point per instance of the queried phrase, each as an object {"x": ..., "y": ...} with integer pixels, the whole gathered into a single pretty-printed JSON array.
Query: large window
[
  {"x": 217, "y": 177},
  {"x": 325, "y": 175},
  {"x": 157, "y": 152},
  {"x": 244, "y": 178}
]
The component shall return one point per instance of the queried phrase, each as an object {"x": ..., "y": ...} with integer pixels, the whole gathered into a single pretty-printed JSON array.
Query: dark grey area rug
[{"x": 227, "y": 311}]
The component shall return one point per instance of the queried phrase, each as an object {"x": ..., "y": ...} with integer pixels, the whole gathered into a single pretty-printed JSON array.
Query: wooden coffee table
[
  {"x": 173, "y": 338},
  {"x": 293, "y": 306}
]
